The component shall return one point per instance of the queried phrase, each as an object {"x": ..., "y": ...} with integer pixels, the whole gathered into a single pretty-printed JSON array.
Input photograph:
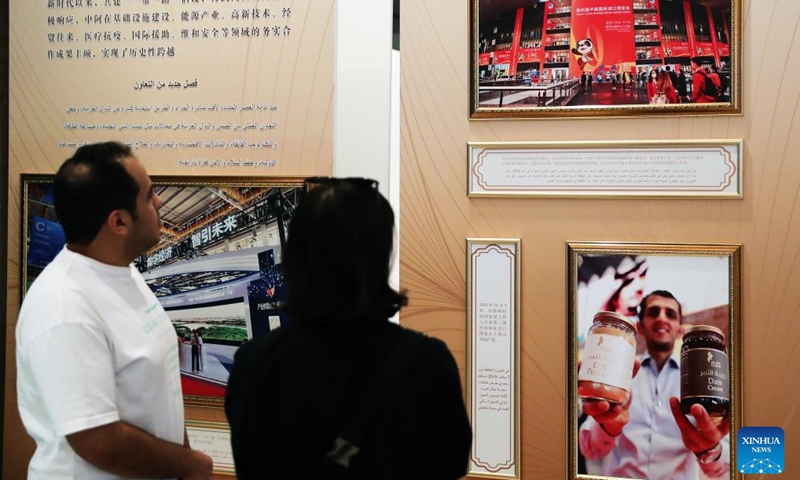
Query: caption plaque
[
  {"x": 493, "y": 356},
  {"x": 687, "y": 169}
]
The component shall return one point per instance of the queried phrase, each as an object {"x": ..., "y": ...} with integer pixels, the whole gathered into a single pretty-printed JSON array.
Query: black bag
[
  {"x": 336, "y": 463},
  {"x": 723, "y": 83},
  {"x": 709, "y": 89}
]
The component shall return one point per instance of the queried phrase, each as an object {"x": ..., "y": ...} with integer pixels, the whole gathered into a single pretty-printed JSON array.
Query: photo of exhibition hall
[
  {"x": 400, "y": 239},
  {"x": 216, "y": 271},
  {"x": 582, "y": 52}
]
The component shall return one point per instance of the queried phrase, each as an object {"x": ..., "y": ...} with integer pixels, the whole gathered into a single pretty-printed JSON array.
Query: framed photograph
[
  {"x": 586, "y": 58},
  {"x": 655, "y": 387},
  {"x": 493, "y": 357},
  {"x": 216, "y": 271}
]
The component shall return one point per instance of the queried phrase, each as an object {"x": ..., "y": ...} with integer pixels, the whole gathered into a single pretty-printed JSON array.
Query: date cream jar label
[
  {"x": 704, "y": 373},
  {"x": 607, "y": 359}
]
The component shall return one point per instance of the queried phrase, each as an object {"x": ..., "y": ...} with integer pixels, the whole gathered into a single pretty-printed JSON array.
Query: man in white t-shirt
[{"x": 98, "y": 378}]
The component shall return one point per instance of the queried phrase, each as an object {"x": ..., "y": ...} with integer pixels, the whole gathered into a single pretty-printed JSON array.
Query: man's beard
[{"x": 657, "y": 346}]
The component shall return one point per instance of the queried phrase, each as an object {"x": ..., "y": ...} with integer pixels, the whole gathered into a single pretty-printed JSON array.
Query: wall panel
[{"x": 436, "y": 216}]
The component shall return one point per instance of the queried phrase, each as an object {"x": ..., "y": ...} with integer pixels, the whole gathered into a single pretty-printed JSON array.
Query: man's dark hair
[
  {"x": 659, "y": 293},
  {"x": 697, "y": 60},
  {"x": 336, "y": 259},
  {"x": 89, "y": 186}
]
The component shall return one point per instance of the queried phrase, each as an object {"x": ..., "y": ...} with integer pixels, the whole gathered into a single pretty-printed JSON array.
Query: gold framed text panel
[
  {"x": 213, "y": 439},
  {"x": 611, "y": 169},
  {"x": 493, "y": 395}
]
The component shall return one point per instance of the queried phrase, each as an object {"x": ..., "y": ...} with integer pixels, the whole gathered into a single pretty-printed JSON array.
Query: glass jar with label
[
  {"x": 608, "y": 356},
  {"x": 704, "y": 371}
]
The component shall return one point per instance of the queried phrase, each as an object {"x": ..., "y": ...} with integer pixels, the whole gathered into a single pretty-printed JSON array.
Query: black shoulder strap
[
  {"x": 352, "y": 436},
  {"x": 706, "y": 81}
]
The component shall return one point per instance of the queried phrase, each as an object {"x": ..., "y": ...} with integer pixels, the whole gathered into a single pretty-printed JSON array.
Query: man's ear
[{"x": 118, "y": 222}]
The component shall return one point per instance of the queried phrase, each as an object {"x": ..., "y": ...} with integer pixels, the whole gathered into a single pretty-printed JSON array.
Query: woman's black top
[{"x": 285, "y": 410}]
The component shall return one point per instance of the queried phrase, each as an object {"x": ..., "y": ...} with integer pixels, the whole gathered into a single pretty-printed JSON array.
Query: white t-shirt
[{"x": 94, "y": 346}]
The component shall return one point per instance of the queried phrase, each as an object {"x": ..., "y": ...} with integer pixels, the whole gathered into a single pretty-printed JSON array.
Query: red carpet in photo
[{"x": 198, "y": 386}]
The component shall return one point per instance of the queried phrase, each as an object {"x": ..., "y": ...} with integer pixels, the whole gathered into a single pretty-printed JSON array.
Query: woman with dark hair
[
  {"x": 665, "y": 91},
  {"x": 342, "y": 392},
  {"x": 652, "y": 85}
]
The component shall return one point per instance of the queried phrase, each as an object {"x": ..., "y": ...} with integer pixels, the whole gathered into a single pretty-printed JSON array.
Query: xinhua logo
[{"x": 760, "y": 450}]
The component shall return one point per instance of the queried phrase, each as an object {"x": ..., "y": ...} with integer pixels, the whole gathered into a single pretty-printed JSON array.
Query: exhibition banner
[
  {"x": 530, "y": 55},
  {"x": 602, "y": 35},
  {"x": 677, "y": 49}
]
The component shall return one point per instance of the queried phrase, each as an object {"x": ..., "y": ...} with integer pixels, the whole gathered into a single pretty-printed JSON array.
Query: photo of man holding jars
[{"x": 653, "y": 382}]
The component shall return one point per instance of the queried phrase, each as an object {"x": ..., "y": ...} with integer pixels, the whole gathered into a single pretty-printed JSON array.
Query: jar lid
[
  {"x": 614, "y": 316},
  {"x": 702, "y": 328}
]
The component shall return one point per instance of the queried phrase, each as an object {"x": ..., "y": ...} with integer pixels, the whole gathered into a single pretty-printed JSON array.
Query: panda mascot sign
[{"x": 584, "y": 50}]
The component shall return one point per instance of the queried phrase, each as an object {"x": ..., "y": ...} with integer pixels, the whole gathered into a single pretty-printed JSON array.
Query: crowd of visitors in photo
[{"x": 667, "y": 85}]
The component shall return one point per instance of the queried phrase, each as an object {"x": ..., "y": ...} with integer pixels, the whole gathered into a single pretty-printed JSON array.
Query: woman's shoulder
[
  {"x": 432, "y": 351},
  {"x": 262, "y": 343}
]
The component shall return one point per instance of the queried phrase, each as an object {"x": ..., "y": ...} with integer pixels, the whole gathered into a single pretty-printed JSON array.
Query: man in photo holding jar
[{"x": 649, "y": 437}]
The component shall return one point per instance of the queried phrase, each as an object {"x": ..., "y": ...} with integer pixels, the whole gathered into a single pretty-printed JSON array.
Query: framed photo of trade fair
[
  {"x": 654, "y": 362},
  {"x": 216, "y": 271},
  {"x": 586, "y": 58}
]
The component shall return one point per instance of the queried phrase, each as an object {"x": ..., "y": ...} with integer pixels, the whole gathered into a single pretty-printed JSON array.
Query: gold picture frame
[
  {"x": 526, "y": 59},
  {"x": 235, "y": 221},
  {"x": 705, "y": 280}
]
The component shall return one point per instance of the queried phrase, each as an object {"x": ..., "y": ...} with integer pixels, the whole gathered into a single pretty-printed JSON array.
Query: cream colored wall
[{"x": 436, "y": 216}]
